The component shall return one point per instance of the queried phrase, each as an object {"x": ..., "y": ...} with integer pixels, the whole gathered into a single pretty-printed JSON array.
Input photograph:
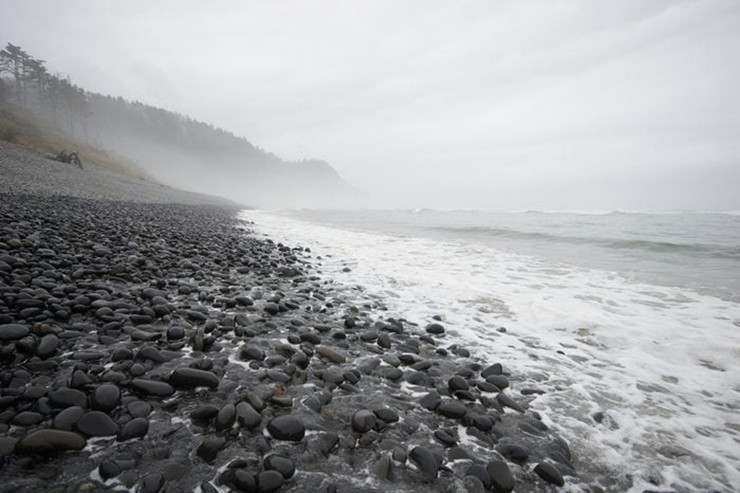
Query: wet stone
[
  {"x": 106, "y": 397},
  {"x": 549, "y": 473},
  {"x": 501, "y": 477},
  {"x": 209, "y": 448},
  {"x": 281, "y": 464},
  {"x": 269, "y": 481},
  {"x": 363, "y": 421},
  {"x": 457, "y": 383},
  {"x": 151, "y": 483},
  {"x": 246, "y": 416},
  {"x": 97, "y": 424},
  {"x": 192, "y": 377},
  {"x": 50, "y": 442},
  {"x": 109, "y": 469},
  {"x": 139, "y": 409},
  {"x": 13, "y": 332},
  {"x": 152, "y": 387},
  {"x": 66, "y": 397},
  {"x": 27, "y": 418},
  {"x": 387, "y": 415},
  {"x": 226, "y": 417},
  {"x": 204, "y": 413},
  {"x": 330, "y": 354},
  {"x": 252, "y": 353},
  {"x": 435, "y": 328},
  {"x": 47, "y": 346},
  {"x": 431, "y": 401},
  {"x": 136, "y": 428},
  {"x": 452, "y": 409},
  {"x": 513, "y": 452},
  {"x": 68, "y": 418},
  {"x": 425, "y": 462},
  {"x": 286, "y": 428}
]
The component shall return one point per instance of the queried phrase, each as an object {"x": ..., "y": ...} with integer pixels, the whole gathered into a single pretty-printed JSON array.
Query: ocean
[{"x": 629, "y": 323}]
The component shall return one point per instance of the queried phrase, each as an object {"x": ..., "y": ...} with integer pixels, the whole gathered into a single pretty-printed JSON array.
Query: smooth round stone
[
  {"x": 384, "y": 341},
  {"x": 152, "y": 387},
  {"x": 136, "y": 428},
  {"x": 97, "y": 424},
  {"x": 106, "y": 397},
  {"x": 330, "y": 354},
  {"x": 139, "y": 409},
  {"x": 499, "y": 381},
  {"x": 507, "y": 401},
  {"x": 513, "y": 452},
  {"x": 13, "y": 332},
  {"x": 192, "y": 377},
  {"x": 242, "y": 480},
  {"x": 151, "y": 483},
  {"x": 246, "y": 416},
  {"x": 27, "y": 418},
  {"x": 271, "y": 308},
  {"x": 501, "y": 477},
  {"x": 50, "y": 441},
  {"x": 425, "y": 461},
  {"x": 68, "y": 418},
  {"x": 431, "y": 401},
  {"x": 494, "y": 369},
  {"x": 387, "y": 415},
  {"x": 333, "y": 375},
  {"x": 363, "y": 421},
  {"x": 457, "y": 383},
  {"x": 153, "y": 354},
  {"x": 549, "y": 473},
  {"x": 66, "y": 397},
  {"x": 47, "y": 346},
  {"x": 391, "y": 373},
  {"x": 226, "y": 417},
  {"x": 80, "y": 380},
  {"x": 452, "y": 409},
  {"x": 281, "y": 464},
  {"x": 269, "y": 481},
  {"x": 435, "y": 328},
  {"x": 137, "y": 370},
  {"x": 478, "y": 471},
  {"x": 109, "y": 469},
  {"x": 286, "y": 428},
  {"x": 254, "y": 353},
  {"x": 444, "y": 437},
  {"x": 205, "y": 412},
  {"x": 310, "y": 338},
  {"x": 487, "y": 387},
  {"x": 175, "y": 333},
  {"x": 209, "y": 448}
]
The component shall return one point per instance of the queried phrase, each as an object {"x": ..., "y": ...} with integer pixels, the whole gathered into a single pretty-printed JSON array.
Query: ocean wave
[{"x": 609, "y": 243}]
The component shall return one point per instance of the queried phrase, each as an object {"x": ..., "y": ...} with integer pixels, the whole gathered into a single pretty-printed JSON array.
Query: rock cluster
[{"x": 162, "y": 347}]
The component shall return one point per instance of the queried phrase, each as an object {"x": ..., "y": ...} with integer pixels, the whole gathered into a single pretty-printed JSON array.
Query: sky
[{"x": 498, "y": 105}]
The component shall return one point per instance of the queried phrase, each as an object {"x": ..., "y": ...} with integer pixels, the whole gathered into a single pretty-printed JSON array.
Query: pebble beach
[{"x": 150, "y": 342}]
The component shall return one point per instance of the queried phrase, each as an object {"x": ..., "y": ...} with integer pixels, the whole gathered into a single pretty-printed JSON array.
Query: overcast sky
[{"x": 553, "y": 104}]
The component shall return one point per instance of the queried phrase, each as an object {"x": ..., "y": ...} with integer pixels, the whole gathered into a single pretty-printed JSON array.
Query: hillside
[{"x": 174, "y": 149}]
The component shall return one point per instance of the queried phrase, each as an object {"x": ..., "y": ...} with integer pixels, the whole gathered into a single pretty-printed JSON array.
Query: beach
[{"x": 150, "y": 341}]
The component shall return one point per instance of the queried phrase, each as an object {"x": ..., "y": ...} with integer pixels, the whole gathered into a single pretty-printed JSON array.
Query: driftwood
[{"x": 68, "y": 157}]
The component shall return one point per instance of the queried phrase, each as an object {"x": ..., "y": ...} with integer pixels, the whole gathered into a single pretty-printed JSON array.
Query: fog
[{"x": 509, "y": 105}]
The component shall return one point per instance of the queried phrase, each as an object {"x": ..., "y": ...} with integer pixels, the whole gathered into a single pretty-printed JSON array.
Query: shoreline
[{"x": 168, "y": 348}]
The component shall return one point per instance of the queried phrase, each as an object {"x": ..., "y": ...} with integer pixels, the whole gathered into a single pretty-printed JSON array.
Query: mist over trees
[{"x": 173, "y": 148}]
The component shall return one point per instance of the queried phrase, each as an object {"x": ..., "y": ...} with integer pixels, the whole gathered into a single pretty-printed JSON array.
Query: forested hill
[{"x": 174, "y": 149}]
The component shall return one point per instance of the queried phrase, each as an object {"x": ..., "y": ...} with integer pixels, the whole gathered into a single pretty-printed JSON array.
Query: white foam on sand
[{"x": 660, "y": 364}]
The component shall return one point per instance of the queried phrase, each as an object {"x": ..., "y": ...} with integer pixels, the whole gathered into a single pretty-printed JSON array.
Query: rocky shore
[{"x": 149, "y": 342}]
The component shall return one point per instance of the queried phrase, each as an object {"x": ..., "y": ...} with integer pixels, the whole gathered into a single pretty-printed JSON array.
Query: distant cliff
[{"x": 173, "y": 148}]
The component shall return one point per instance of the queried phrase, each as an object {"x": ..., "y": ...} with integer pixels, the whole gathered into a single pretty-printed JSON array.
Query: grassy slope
[{"x": 19, "y": 127}]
